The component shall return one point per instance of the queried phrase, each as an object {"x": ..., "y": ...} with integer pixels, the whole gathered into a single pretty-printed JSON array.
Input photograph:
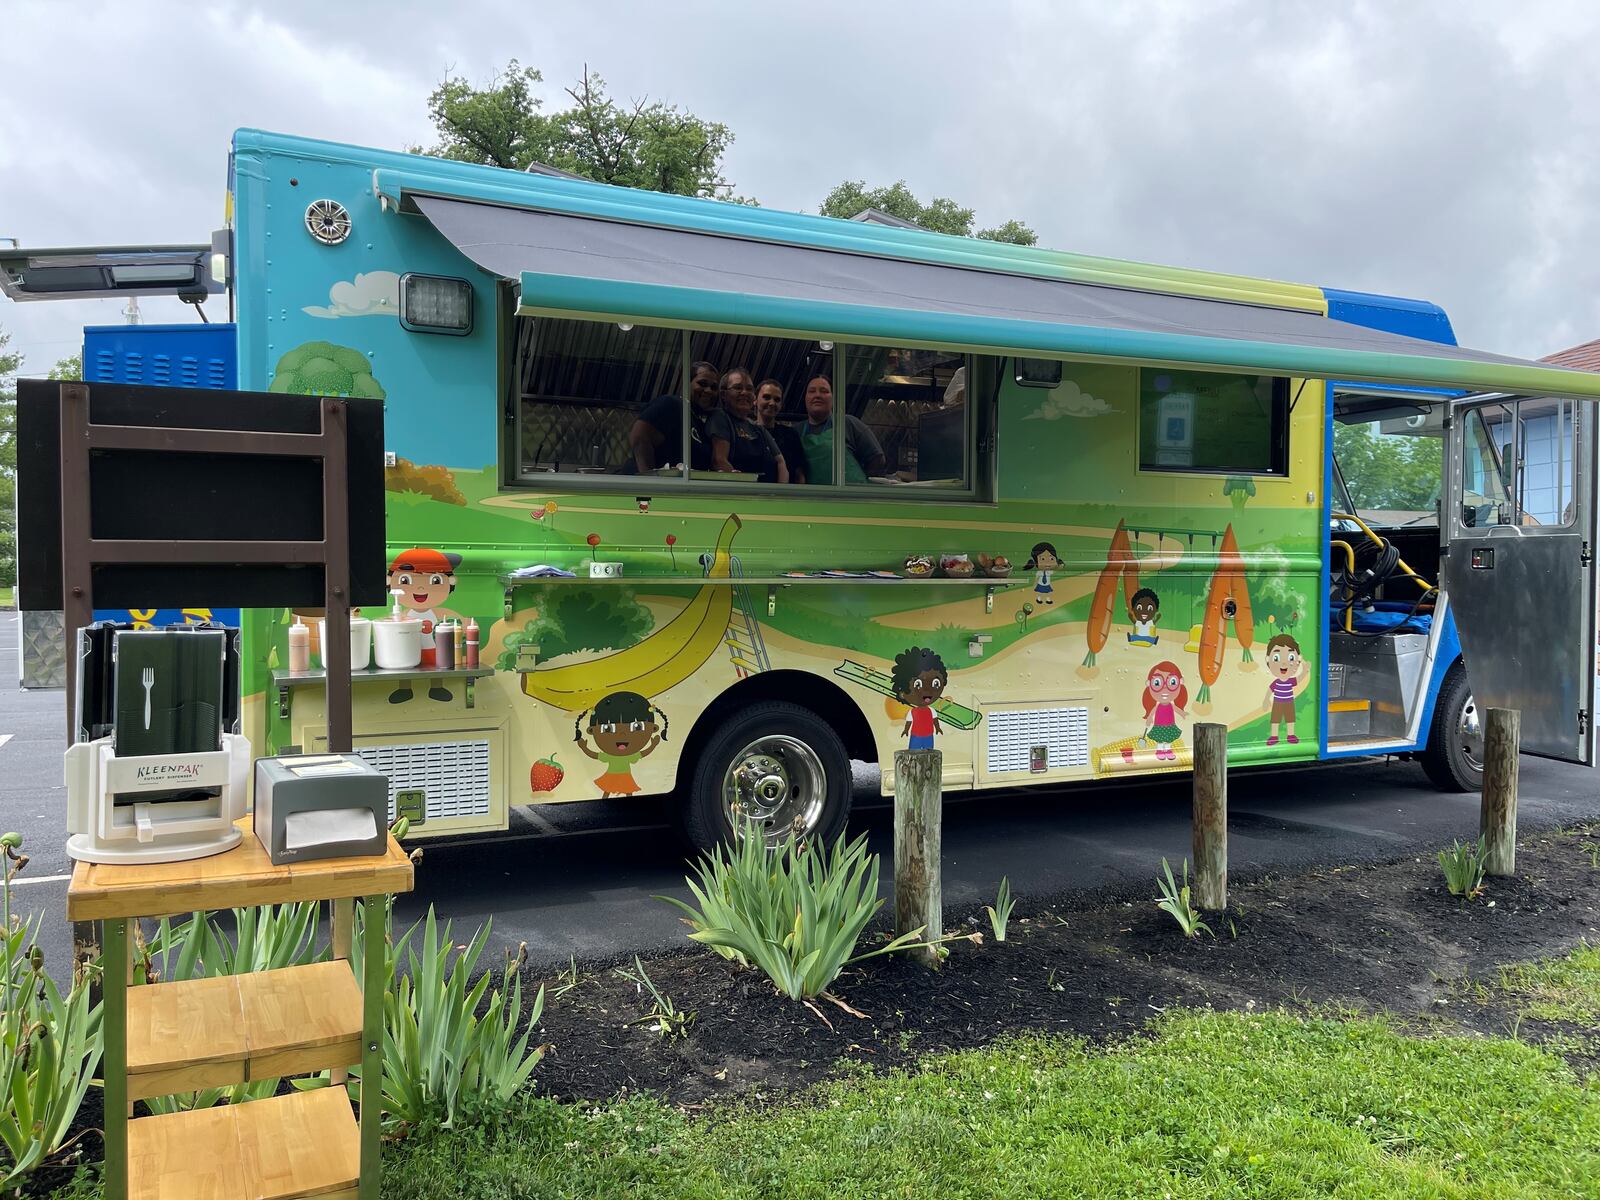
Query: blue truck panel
[
  {"x": 191, "y": 356},
  {"x": 1410, "y": 318}
]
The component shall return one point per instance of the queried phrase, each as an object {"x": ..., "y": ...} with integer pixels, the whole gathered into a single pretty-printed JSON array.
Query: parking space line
[{"x": 16, "y": 883}]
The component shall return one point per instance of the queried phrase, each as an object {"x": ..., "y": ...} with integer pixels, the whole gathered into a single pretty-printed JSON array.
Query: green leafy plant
[
  {"x": 1174, "y": 899},
  {"x": 269, "y": 938},
  {"x": 1463, "y": 866},
  {"x": 670, "y": 1020},
  {"x": 443, "y": 1062},
  {"x": 796, "y": 911},
  {"x": 50, "y": 1044},
  {"x": 1000, "y": 911},
  {"x": 566, "y": 980}
]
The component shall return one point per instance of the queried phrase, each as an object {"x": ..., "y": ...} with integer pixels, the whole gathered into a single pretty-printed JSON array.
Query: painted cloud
[
  {"x": 1069, "y": 400},
  {"x": 373, "y": 294}
]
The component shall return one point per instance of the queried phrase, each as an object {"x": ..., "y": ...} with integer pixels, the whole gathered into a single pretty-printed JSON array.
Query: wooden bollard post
[
  {"x": 1502, "y": 739},
  {"x": 918, "y": 812},
  {"x": 1210, "y": 816}
]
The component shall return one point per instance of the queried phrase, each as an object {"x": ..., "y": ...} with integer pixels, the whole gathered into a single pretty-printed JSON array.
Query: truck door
[{"x": 1518, "y": 526}]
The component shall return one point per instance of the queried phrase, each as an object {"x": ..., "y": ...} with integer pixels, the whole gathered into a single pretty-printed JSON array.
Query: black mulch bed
[
  {"x": 1386, "y": 938},
  {"x": 1377, "y": 938}
]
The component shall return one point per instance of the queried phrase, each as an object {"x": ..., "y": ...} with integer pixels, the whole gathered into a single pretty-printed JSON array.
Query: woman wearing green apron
[{"x": 863, "y": 455}]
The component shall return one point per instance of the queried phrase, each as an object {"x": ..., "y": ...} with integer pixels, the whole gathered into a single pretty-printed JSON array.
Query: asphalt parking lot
[{"x": 577, "y": 880}]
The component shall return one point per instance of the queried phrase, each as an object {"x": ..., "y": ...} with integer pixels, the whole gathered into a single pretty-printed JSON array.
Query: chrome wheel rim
[
  {"x": 1470, "y": 729},
  {"x": 778, "y": 783}
]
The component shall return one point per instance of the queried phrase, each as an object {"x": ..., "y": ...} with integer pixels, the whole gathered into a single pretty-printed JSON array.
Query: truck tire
[
  {"x": 1453, "y": 758},
  {"x": 779, "y": 763}
]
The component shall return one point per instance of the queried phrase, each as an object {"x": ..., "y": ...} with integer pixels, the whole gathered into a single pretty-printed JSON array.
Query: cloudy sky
[{"x": 1438, "y": 149}]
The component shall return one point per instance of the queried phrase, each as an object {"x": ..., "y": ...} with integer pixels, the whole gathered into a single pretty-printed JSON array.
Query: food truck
[{"x": 733, "y": 496}]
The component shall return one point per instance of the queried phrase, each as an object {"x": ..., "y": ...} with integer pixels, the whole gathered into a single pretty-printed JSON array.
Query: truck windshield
[{"x": 1392, "y": 466}]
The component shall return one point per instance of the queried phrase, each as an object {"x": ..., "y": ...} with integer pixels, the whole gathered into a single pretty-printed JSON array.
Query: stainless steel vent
[
  {"x": 1015, "y": 735},
  {"x": 453, "y": 776}
]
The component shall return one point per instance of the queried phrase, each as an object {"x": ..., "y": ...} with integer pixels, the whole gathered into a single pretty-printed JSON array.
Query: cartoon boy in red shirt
[
  {"x": 424, "y": 578},
  {"x": 919, "y": 679}
]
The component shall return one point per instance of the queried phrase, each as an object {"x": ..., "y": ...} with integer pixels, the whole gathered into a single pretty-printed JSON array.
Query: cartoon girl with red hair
[{"x": 1164, "y": 699}]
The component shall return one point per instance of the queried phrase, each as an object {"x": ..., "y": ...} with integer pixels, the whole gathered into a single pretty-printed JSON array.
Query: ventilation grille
[
  {"x": 454, "y": 776},
  {"x": 1013, "y": 733}
]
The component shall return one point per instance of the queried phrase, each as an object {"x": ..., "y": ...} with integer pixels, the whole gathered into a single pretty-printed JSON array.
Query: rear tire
[
  {"x": 779, "y": 764},
  {"x": 1454, "y": 755}
]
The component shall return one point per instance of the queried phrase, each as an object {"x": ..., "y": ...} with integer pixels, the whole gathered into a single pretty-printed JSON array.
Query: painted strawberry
[{"x": 546, "y": 775}]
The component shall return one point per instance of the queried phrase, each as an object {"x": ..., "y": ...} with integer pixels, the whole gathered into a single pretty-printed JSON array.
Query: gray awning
[{"x": 588, "y": 267}]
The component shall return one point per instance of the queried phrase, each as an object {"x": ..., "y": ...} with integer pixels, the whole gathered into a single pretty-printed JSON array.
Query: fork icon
[{"x": 148, "y": 678}]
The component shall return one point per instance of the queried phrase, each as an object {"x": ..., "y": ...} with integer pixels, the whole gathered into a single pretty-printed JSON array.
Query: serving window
[
  {"x": 1207, "y": 421},
  {"x": 598, "y": 398}
]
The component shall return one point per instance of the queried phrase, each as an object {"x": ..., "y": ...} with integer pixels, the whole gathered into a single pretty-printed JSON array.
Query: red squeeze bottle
[{"x": 471, "y": 654}]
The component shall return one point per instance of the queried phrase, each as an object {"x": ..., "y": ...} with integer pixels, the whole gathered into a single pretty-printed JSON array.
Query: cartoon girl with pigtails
[
  {"x": 1164, "y": 698},
  {"x": 623, "y": 728}
]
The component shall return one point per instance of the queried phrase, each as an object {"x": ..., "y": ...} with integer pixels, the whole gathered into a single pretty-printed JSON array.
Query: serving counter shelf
[
  {"x": 991, "y": 585},
  {"x": 181, "y": 1036},
  {"x": 284, "y": 682}
]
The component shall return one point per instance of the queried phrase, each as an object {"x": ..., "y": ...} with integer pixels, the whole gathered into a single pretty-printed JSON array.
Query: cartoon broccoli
[{"x": 323, "y": 369}]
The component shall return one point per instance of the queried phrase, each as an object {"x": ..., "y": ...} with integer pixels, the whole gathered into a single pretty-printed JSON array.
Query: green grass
[
  {"x": 1211, "y": 1105},
  {"x": 1557, "y": 989}
]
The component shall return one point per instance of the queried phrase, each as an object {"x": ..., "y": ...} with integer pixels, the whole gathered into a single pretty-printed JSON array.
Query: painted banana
[{"x": 667, "y": 657}]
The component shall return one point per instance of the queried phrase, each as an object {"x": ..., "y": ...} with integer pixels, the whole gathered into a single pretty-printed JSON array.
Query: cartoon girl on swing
[
  {"x": 623, "y": 728},
  {"x": 1164, "y": 699}
]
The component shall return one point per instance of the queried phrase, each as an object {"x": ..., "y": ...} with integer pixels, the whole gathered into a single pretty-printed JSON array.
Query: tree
[
  {"x": 1385, "y": 471},
  {"x": 643, "y": 143},
  {"x": 941, "y": 214},
  {"x": 68, "y": 370}
]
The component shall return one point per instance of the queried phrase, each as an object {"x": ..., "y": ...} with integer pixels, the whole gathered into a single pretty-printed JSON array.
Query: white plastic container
[
  {"x": 397, "y": 642},
  {"x": 360, "y": 642}
]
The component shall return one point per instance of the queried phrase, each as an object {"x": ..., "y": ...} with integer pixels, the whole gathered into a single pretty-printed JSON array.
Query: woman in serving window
[{"x": 738, "y": 443}]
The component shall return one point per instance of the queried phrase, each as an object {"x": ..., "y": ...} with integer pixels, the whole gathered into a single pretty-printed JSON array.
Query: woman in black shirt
[
  {"x": 737, "y": 442},
  {"x": 769, "y": 403}
]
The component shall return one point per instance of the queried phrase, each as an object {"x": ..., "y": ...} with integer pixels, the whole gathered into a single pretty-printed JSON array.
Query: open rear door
[{"x": 1518, "y": 523}]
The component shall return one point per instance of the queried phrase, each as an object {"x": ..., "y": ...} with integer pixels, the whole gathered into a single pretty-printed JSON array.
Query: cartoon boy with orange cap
[{"x": 424, "y": 578}]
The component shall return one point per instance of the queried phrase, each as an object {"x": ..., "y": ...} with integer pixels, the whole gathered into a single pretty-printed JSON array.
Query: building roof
[{"x": 1584, "y": 357}]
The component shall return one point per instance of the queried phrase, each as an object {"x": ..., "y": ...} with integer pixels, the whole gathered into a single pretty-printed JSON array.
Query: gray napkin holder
[{"x": 312, "y": 806}]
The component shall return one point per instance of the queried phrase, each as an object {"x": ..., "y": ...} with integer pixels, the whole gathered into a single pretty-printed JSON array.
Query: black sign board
[{"x": 142, "y": 488}]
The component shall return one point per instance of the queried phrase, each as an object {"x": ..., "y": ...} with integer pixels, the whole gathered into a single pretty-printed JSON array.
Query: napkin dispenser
[{"x": 311, "y": 806}]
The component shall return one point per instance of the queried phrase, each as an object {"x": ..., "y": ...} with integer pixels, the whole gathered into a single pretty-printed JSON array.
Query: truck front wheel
[
  {"x": 776, "y": 765},
  {"x": 1454, "y": 755}
]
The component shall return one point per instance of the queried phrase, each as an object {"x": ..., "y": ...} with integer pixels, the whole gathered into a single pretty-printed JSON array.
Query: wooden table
[{"x": 190, "y": 1034}]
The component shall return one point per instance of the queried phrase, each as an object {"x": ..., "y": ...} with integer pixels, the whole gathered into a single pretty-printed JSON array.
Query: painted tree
[
  {"x": 940, "y": 214},
  {"x": 641, "y": 143}
]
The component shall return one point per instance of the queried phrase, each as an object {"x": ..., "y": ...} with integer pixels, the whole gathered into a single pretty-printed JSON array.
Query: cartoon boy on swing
[{"x": 1144, "y": 609}]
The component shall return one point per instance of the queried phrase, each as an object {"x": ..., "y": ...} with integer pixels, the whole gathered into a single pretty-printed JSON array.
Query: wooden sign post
[
  {"x": 1502, "y": 738},
  {"x": 918, "y": 814},
  {"x": 1211, "y": 816}
]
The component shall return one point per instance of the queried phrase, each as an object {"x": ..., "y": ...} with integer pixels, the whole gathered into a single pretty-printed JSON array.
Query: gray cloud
[{"x": 1429, "y": 149}]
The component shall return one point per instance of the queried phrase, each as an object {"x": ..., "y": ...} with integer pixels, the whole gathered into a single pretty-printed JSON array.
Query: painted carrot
[
  {"x": 1244, "y": 627},
  {"x": 1105, "y": 593},
  {"x": 1213, "y": 641}
]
